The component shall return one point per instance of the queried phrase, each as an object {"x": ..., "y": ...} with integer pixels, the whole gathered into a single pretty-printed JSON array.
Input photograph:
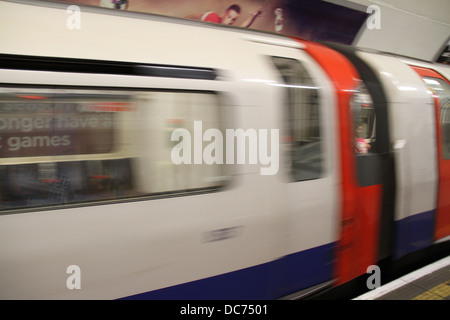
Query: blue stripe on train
[
  {"x": 414, "y": 233},
  {"x": 266, "y": 281}
]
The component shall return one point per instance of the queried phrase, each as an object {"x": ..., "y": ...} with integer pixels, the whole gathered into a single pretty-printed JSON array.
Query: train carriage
[{"x": 173, "y": 159}]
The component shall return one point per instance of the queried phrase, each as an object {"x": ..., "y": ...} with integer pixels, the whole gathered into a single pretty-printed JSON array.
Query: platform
[{"x": 431, "y": 282}]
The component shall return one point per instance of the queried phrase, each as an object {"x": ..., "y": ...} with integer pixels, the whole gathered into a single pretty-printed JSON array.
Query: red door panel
[
  {"x": 360, "y": 206},
  {"x": 442, "y": 223}
]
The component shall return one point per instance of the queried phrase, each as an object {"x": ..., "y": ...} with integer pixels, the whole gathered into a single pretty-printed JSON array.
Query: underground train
[{"x": 148, "y": 157}]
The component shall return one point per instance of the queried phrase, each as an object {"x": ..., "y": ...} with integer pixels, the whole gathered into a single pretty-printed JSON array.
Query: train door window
[
  {"x": 302, "y": 120},
  {"x": 368, "y": 162},
  {"x": 66, "y": 146},
  {"x": 442, "y": 89},
  {"x": 363, "y": 121}
]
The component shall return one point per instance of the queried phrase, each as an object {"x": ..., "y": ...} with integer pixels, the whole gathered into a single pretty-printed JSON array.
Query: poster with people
[{"x": 315, "y": 20}]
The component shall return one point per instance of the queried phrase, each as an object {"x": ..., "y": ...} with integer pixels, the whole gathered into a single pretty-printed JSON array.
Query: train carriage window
[
  {"x": 67, "y": 146},
  {"x": 442, "y": 89},
  {"x": 302, "y": 135}
]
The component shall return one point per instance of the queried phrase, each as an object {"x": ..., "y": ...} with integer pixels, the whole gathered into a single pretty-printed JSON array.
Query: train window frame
[
  {"x": 291, "y": 124},
  {"x": 226, "y": 171},
  {"x": 364, "y": 141},
  {"x": 437, "y": 85}
]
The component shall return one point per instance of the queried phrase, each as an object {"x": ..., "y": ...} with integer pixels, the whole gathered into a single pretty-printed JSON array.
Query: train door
[
  {"x": 365, "y": 162},
  {"x": 440, "y": 87},
  {"x": 406, "y": 142},
  {"x": 305, "y": 186}
]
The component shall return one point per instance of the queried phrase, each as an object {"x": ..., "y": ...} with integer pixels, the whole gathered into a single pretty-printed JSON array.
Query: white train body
[{"x": 186, "y": 231}]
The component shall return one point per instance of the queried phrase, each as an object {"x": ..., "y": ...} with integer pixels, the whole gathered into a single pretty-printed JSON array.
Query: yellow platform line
[{"x": 439, "y": 292}]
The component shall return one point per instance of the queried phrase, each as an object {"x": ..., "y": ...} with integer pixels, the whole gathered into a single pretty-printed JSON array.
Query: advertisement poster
[{"x": 314, "y": 20}]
